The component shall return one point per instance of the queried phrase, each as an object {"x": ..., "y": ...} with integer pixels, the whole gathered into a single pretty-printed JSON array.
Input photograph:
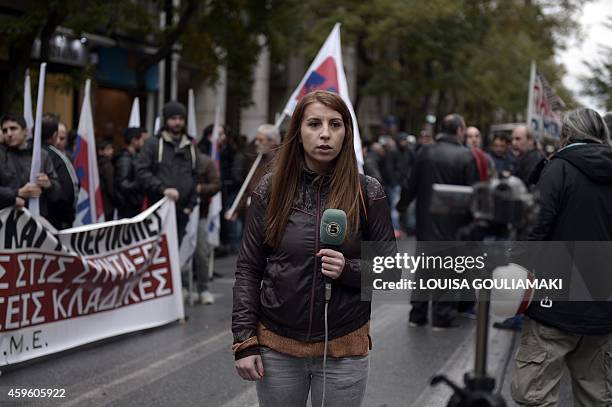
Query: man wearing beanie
[{"x": 167, "y": 165}]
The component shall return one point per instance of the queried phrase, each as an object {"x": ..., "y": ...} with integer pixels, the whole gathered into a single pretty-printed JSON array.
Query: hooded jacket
[
  {"x": 283, "y": 288},
  {"x": 575, "y": 190}
]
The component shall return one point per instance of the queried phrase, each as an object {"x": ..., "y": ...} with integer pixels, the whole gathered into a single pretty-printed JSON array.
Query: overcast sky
[{"x": 588, "y": 48}]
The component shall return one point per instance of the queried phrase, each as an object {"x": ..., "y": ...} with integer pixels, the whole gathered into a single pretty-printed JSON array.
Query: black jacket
[
  {"x": 575, "y": 205},
  {"x": 444, "y": 162},
  {"x": 163, "y": 164},
  {"x": 128, "y": 192},
  {"x": 283, "y": 288},
  {"x": 525, "y": 165},
  {"x": 15, "y": 167},
  {"x": 62, "y": 213}
]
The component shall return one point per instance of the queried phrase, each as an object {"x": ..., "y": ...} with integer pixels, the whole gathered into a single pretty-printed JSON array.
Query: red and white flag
[
  {"x": 544, "y": 106},
  {"x": 90, "y": 208},
  {"x": 327, "y": 73}
]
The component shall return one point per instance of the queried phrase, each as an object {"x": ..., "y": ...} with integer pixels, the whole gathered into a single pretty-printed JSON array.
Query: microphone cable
[{"x": 328, "y": 289}]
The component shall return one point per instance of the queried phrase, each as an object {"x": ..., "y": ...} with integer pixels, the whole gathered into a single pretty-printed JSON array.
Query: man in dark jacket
[
  {"x": 15, "y": 164},
  {"x": 502, "y": 157},
  {"x": 529, "y": 156},
  {"x": 62, "y": 212},
  {"x": 575, "y": 193},
  {"x": 445, "y": 162},
  {"x": 267, "y": 140},
  {"x": 128, "y": 191},
  {"x": 167, "y": 165},
  {"x": 106, "y": 151}
]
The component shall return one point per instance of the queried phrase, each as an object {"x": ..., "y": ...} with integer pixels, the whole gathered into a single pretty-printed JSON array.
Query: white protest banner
[
  {"x": 59, "y": 291},
  {"x": 544, "y": 107}
]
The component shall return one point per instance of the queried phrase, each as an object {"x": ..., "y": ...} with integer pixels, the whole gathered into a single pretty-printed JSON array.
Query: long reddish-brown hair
[{"x": 289, "y": 162}]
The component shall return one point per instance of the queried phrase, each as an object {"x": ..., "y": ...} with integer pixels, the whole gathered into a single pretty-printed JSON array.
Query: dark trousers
[
  {"x": 181, "y": 224},
  {"x": 443, "y": 303}
]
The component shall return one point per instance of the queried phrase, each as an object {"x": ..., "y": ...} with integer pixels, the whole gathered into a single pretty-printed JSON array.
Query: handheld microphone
[{"x": 332, "y": 233}]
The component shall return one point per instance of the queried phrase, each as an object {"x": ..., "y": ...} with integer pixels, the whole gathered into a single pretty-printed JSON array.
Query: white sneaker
[{"x": 206, "y": 298}]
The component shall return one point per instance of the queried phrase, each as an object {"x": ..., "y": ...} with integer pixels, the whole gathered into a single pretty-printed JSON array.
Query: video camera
[
  {"x": 499, "y": 203},
  {"x": 501, "y": 209}
]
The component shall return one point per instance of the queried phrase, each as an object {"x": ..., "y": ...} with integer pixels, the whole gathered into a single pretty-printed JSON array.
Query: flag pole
[{"x": 532, "y": 76}]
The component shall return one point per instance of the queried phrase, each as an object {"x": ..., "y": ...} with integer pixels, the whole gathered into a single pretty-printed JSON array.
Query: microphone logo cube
[{"x": 333, "y": 228}]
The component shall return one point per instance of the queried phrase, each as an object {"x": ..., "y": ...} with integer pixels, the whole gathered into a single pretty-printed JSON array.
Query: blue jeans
[{"x": 288, "y": 380}]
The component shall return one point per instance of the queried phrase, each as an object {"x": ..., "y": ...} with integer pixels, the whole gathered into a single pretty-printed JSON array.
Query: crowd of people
[
  {"x": 277, "y": 317},
  {"x": 146, "y": 168}
]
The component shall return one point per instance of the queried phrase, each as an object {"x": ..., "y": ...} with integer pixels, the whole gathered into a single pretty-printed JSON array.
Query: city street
[{"x": 191, "y": 364}]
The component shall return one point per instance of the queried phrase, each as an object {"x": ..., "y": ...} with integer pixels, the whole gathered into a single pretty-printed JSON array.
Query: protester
[
  {"x": 446, "y": 161},
  {"x": 128, "y": 193},
  {"x": 528, "y": 155},
  {"x": 15, "y": 165},
  {"x": 423, "y": 139},
  {"x": 62, "y": 212},
  {"x": 278, "y": 313},
  {"x": 208, "y": 184},
  {"x": 232, "y": 170},
  {"x": 406, "y": 160},
  {"x": 266, "y": 144},
  {"x": 106, "y": 151},
  {"x": 502, "y": 157},
  {"x": 205, "y": 144},
  {"x": 575, "y": 192},
  {"x": 167, "y": 163},
  {"x": 61, "y": 141},
  {"x": 370, "y": 160},
  {"x": 484, "y": 163}
]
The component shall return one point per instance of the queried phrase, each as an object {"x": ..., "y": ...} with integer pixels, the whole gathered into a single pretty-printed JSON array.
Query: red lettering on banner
[{"x": 37, "y": 287}]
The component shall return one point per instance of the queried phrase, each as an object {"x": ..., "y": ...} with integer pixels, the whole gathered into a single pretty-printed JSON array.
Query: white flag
[
  {"x": 157, "y": 125},
  {"x": 27, "y": 104},
  {"x": 135, "y": 114},
  {"x": 34, "y": 203},
  {"x": 327, "y": 73}
]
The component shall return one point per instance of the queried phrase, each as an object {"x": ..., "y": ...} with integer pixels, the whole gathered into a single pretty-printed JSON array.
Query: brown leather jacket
[{"x": 283, "y": 288}]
